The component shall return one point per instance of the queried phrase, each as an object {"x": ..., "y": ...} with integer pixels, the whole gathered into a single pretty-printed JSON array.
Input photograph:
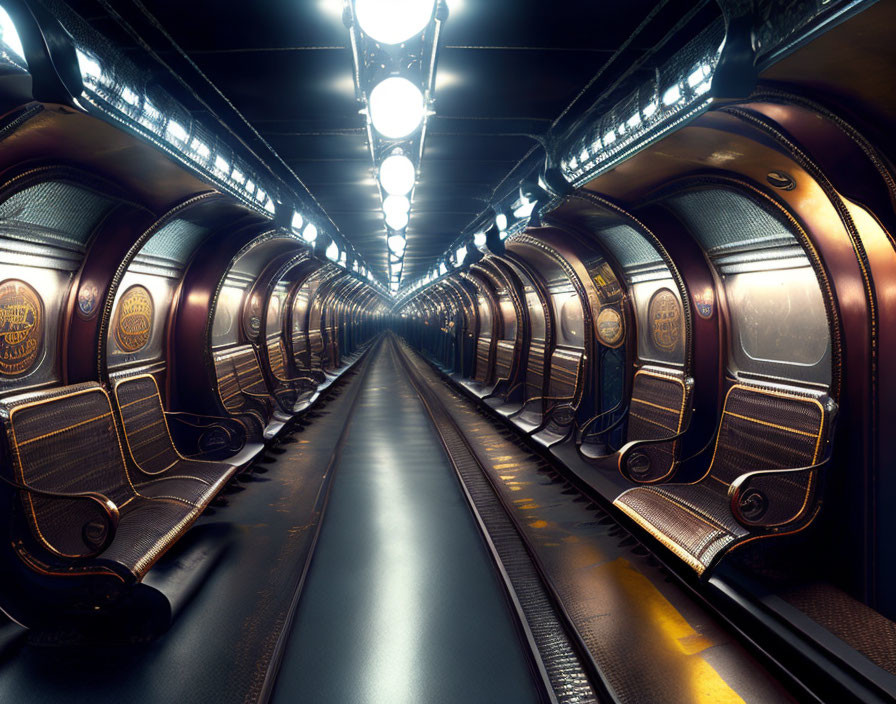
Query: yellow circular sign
[
  {"x": 21, "y": 327},
  {"x": 133, "y": 319},
  {"x": 610, "y": 326}
]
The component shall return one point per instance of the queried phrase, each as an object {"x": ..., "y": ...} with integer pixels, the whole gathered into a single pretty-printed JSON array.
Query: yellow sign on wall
[
  {"x": 133, "y": 319},
  {"x": 21, "y": 327}
]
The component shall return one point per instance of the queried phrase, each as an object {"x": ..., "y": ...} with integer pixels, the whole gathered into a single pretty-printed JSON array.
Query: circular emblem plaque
[
  {"x": 88, "y": 296},
  {"x": 703, "y": 302},
  {"x": 21, "y": 327},
  {"x": 664, "y": 316},
  {"x": 609, "y": 326},
  {"x": 133, "y": 319}
]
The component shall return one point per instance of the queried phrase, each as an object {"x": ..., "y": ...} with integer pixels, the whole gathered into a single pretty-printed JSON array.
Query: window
[
  {"x": 779, "y": 324},
  {"x": 572, "y": 323}
]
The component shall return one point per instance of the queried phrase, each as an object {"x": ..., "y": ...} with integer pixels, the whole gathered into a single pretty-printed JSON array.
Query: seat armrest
[
  {"x": 634, "y": 454},
  {"x": 514, "y": 388},
  {"x": 263, "y": 402},
  {"x": 206, "y": 436},
  {"x": 771, "y": 498},
  {"x": 291, "y": 379},
  {"x": 316, "y": 375},
  {"x": 625, "y": 407},
  {"x": 251, "y": 394},
  {"x": 603, "y": 432},
  {"x": 97, "y": 515}
]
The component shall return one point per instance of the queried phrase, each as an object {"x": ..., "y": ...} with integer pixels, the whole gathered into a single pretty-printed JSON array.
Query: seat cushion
[
  {"x": 692, "y": 520},
  {"x": 146, "y": 529},
  {"x": 195, "y": 483},
  {"x": 210, "y": 472}
]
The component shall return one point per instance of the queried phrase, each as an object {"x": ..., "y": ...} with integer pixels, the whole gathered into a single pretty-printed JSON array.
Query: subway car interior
[{"x": 447, "y": 351}]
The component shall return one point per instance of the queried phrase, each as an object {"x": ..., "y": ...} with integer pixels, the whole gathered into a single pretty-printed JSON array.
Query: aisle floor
[{"x": 402, "y": 602}]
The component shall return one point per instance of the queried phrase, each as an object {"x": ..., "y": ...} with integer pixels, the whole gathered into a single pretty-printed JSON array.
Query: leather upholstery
[{"x": 761, "y": 429}]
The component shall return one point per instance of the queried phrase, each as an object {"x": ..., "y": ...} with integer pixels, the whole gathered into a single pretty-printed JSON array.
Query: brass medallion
[
  {"x": 703, "y": 302},
  {"x": 21, "y": 327},
  {"x": 133, "y": 319},
  {"x": 610, "y": 327},
  {"x": 88, "y": 300},
  {"x": 665, "y": 319}
]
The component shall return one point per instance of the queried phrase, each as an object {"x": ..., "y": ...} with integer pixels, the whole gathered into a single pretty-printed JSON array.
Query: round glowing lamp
[
  {"x": 397, "y": 220},
  {"x": 396, "y": 107},
  {"x": 393, "y": 21},
  {"x": 396, "y": 204},
  {"x": 397, "y": 243},
  {"x": 397, "y": 175}
]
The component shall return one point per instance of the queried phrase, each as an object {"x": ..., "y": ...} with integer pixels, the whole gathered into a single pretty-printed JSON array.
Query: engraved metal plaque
[
  {"x": 133, "y": 319},
  {"x": 610, "y": 327},
  {"x": 665, "y": 318},
  {"x": 88, "y": 300},
  {"x": 21, "y": 327}
]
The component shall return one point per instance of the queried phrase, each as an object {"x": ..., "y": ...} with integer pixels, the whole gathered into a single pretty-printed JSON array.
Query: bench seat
[
  {"x": 82, "y": 512},
  {"x": 294, "y": 393},
  {"x": 245, "y": 395},
  {"x": 660, "y": 407},
  {"x": 762, "y": 481},
  {"x": 160, "y": 469}
]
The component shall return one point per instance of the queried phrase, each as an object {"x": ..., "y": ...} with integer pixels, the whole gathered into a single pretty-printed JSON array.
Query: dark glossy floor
[{"x": 402, "y": 602}]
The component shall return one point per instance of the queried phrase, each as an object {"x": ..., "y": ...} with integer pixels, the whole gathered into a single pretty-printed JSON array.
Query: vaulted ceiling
[{"x": 507, "y": 69}]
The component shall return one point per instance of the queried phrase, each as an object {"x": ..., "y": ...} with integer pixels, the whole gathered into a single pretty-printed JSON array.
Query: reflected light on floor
[{"x": 396, "y": 591}]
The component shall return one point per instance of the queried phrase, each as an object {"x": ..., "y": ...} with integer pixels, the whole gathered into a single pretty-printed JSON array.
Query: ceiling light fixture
[
  {"x": 396, "y": 107},
  {"x": 524, "y": 209},
  {"x": 9, "y": 35},
  {"x": 176, "y": 131},
  {"x": 393, "y": 21},
  {"x": 397, "y": 220},
  {"x": 397, "y": 175},
  {"x": 396, "y": 204},
  {"x": 397, "y": 243}
]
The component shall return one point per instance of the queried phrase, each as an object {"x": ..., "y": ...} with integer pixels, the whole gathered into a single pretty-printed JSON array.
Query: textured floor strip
[{"x": 649, "y": 640}]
